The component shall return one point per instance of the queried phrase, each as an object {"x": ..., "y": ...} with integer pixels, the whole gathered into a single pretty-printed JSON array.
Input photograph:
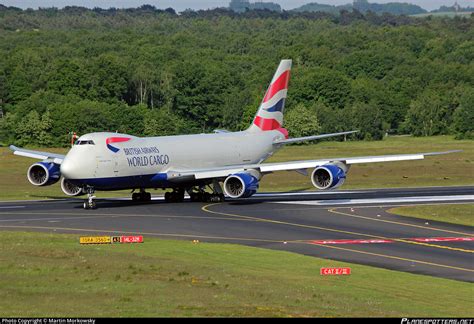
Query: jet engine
[
  {"x": 71, "y": 189},
  {"x": 241, "y": 185},
  {"x": 329, "y": 176},
  {"x": 43, "y": 173}
]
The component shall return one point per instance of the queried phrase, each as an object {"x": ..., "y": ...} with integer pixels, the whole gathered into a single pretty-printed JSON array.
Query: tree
[
  {"x": 143, "y": 80},
  {"x": 391, "y": 104},
  {"x": 162, "y": 122},
  {"x": 374, "y": 63},
  {"x": 40, "y": 101},
  {"x": 233, "y": 110},
  {"x": 68, "y": 77},
  {"x": 107, "y": 78},
  {"x": 33, "y": 130},
  {"x": 24, "y": 75},
  {"x": 200, "y": 93},
  {"x": 463, "y": 118},
  {"x": 332, "y": 120},
  {"x": 301, "y": 121},
  {"x": 428, "y": 115},
  {"x": 8, "y": 126},
  {"x": 327, "y": 85},
  {"x": 367, "y": 119}
]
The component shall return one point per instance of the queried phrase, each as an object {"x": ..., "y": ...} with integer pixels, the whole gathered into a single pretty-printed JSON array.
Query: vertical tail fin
[{"x": 270, "y": 113}]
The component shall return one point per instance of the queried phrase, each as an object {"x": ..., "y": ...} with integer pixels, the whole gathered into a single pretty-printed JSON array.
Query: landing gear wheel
[
  {"x": 216, "y": 198},
  {"x": 193, "y": 197},
  {"x": 177, "y": 195},
  {"x": 141, "y": 196},
  {"x": 89, "y": 205},
  {"x": 203, "y": 196},
  {"x": 92, "y": 205}
]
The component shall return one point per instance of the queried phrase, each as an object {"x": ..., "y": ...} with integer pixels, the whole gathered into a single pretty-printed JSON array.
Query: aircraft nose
[{"x": 68, "y": 169}]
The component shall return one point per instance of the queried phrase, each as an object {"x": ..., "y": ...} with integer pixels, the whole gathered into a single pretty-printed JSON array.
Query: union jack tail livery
[{"x": 270, "y": 113}]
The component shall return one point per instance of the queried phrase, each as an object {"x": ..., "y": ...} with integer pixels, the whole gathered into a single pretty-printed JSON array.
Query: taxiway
[{"x": 348, "y": 225}]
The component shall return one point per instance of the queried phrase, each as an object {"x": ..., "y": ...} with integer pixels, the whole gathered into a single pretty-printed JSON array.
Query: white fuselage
[{"x": 113, "y": 161}]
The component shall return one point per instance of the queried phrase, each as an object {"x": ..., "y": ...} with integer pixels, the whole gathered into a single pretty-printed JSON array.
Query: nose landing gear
[{"x": 90, "y": 203}]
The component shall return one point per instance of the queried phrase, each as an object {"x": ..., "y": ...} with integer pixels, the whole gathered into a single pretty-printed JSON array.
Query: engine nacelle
[
  {"x": 329, "y": 176},
  {"x": 71, "y": 189},
  {"x": 241, "y": 185},
  {"x": 43, "y": 173}
]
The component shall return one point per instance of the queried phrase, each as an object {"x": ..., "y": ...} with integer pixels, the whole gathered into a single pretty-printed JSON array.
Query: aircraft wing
[
  {"x": 223, "y": 172},
  {"x": 56, "y": 158}
]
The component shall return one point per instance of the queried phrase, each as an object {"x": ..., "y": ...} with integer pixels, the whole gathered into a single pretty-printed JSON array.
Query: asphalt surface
[{"x": 347, "y": 225}]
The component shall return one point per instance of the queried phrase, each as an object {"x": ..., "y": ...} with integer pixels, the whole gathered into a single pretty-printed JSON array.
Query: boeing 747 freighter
[{"x": 230, "y": 163}]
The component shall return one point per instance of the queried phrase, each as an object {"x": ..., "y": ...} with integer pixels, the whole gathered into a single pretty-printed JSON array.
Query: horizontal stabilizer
[{"x": 310, "y": 138}]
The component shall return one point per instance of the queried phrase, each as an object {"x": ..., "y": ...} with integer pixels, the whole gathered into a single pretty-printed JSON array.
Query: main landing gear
[
  {"x": 90, "y": 203},
  {"x": 177, "y": 195},
  {"x": 141, "y": 196},
  {"x": 200, "y": 195},
  {"x": 195, "y": 194},
  {"x": 203, "y": 196}
]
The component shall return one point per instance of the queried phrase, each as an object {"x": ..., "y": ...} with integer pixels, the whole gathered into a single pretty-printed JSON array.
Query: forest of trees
[
  {"x": 154, "y": 72},
  {"x": 364, "y": 6}
]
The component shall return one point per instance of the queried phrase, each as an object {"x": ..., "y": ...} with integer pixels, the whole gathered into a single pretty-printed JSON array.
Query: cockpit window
[{"x": 84, "y": 142}]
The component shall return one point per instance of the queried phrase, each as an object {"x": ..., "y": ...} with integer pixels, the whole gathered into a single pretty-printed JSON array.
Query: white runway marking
[
  {"x": 6, "y": 207},
  {"x": 379, "y": 200},
  {"x": 308, "y": 193},
  {"x": 130, "y": 198},
  {"x": 40, "y": 200}
]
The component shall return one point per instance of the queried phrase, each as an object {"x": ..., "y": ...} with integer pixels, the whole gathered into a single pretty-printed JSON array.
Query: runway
[{"x": 347, "y": 225}]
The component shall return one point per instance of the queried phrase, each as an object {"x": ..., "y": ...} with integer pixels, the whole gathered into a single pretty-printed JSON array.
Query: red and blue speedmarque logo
[{"x": 111, "y": 140}]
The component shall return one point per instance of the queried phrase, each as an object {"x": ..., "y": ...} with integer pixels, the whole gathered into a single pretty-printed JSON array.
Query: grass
[
  {"x": 462, "y": 214},
  {"x": 444, "y": 170},
  {"x": 51, "y": 275}
]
